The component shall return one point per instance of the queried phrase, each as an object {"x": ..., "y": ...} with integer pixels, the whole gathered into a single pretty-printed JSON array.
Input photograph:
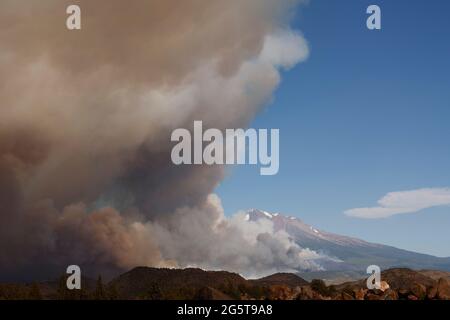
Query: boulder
[
  {"x": 384, "y": 286},
  {"x": 359, "y": 294},
  {"x": 390, "y": 295},
  {"x": 378, "y": 292},
  {"x": 346, "y": 296},
  {"x": 432, "y": 292},
  {"x": 372, "y": 296},
  {"x": 403, "y": 293},
  {"x": 443, "y": 289},
  {"x": 419, "y": 290}
]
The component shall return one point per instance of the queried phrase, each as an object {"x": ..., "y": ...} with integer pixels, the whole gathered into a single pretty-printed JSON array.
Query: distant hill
[
  {"x": 287, "y": 279},
  {"x": 397, "y": 278},
  {"x": 436, "y": 275},
  {"x": 154, "y": 283}
]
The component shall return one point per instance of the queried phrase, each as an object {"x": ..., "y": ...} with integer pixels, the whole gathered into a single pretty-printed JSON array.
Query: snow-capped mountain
[{"x": 352, "y": 254}]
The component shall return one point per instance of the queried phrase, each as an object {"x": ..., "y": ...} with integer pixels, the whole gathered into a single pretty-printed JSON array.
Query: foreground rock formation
[{"x": 144, "y": 283}]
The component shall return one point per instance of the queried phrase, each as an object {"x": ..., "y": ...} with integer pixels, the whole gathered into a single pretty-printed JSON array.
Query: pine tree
[
  {"x": 154, "y": 292},
  {"x": 35, "y": 293},
  {"x": 99, "y": 290},
  {"x": 112, "y": 292},
  {"x": 62, "y": 292}
]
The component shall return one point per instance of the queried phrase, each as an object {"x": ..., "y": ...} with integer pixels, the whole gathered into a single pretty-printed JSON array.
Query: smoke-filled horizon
[{"x": 85, "y": 123}]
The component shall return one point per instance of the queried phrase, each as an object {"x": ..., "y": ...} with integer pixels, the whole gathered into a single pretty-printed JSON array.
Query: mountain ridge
[{"x": 354, "y": 254}]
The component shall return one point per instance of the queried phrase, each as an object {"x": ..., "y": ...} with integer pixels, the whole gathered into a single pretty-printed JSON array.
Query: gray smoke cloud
[{"x": 85, "y": 124}]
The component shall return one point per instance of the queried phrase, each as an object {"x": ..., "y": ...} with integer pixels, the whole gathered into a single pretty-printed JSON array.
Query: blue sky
[{"x": 367, "y": 114}]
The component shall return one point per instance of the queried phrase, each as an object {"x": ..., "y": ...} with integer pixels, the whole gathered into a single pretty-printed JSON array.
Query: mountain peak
[
  {"x": 347, "y": 253},
  {"x": 255, "y": 214}
]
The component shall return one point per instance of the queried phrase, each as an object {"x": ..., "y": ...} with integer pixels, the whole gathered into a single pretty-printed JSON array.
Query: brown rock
[
  {"x": 347, "y": 296},
  {"x": 419, "y": 290},
  {"x": 372, "y": 296},
  {"x": 443, "y": 289},
  {"x": 378, "y": 292},
  {"x": 390, "y": 295},
  {"x": 403, "y": 293},
  {"x": 359, "y": 294},
  {"x": 432, "y": 292},
  {"x": 401, "y": 278},
  {"x": 412, "y": 297},
  {"x": 384, "y": 286}
]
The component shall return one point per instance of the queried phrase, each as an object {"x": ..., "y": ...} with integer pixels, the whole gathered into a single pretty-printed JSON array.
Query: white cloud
[
  {"x": 404, "y": 202},
  {"x": 284, "y": 49}
]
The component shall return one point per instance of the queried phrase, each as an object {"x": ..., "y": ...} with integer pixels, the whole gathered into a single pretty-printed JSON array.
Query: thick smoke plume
[{"x": 85, "y": 124}]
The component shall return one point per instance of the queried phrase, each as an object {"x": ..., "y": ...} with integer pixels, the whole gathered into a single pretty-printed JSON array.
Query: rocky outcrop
[
  {"x": 440, "y": 291},
  {"x": 397, "y": 284},
  {"x": 152, "y": 283}
]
